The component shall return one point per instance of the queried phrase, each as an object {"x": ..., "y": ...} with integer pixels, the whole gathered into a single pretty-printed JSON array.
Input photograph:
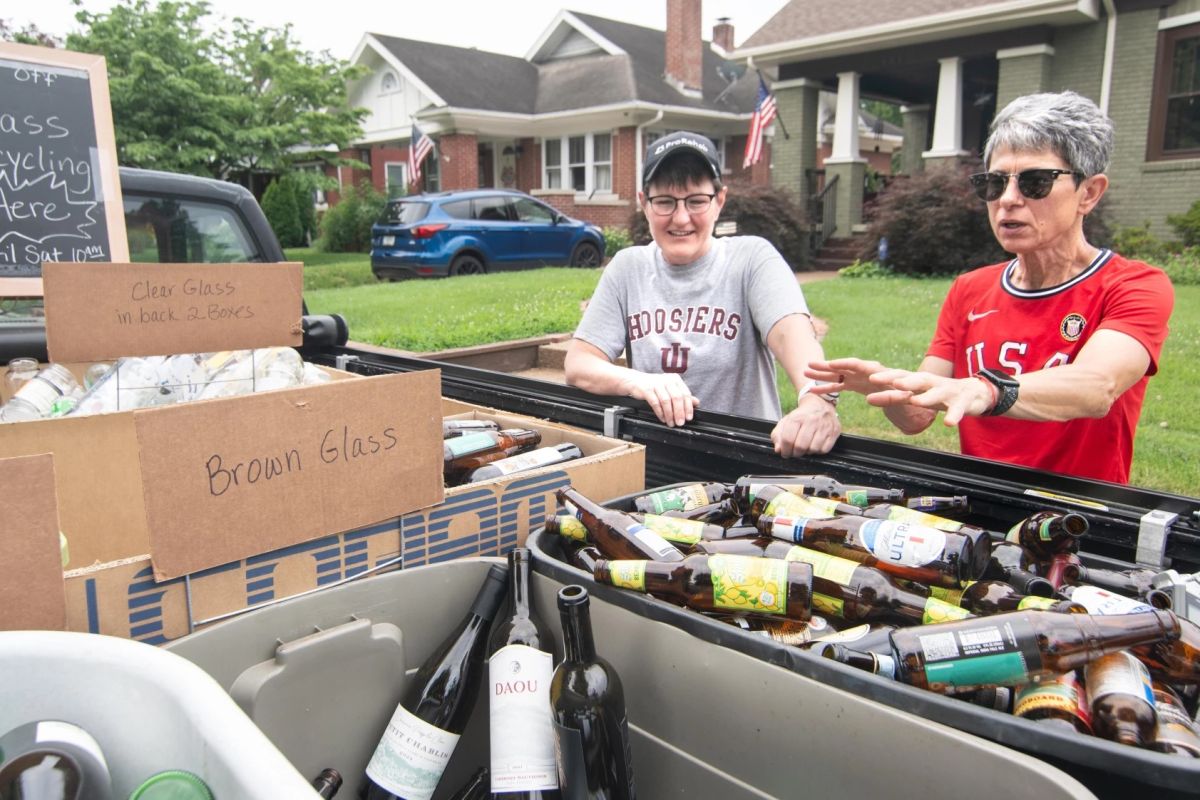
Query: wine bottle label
[
  {"x": 941, "y": 611},
  {"x": 571, "y": 528},
  {"x": 830, "y": 568},
  {"x": 531, "y": 460},
  {"x": 411, "y": 756},
  {"x": 682, "y": 498},
  {"x": 574, "y": 777},
  {"x": 902, "y": 514},
  {"x": 1118, "y": 673},
  {"x": 1063, "y": 694},
  {"x": 522, "y": 736},
  {"x": 903, "y": 543},
  {"x": 833, "y": 606},
  {"x": 857, "y": 497},
  {"x": 657, "y": 544},
  {"x": 571, "y": 761},
  {"x": 1037, "y": 603},
  {"x": 1100, "y": 601},
  {"x": 745, "y": 583},
  {"x": 628, "y": 574},
  {"x": 675, "y": 529},
  {"x": 1001, "y": 654},
  {"x": 469, "y": 443}
]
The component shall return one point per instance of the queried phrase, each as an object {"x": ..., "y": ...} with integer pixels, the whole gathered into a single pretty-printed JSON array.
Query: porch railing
[{"x": 824, "y": 210}]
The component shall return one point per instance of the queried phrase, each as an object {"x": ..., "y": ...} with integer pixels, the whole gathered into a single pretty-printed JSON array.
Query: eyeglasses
[
  {"x": 664, "y": 204},
  {"x": 1033, "y": 183}
]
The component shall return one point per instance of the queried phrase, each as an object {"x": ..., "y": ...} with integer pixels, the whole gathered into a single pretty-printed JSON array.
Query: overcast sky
[{"x": 501, "y": 27}]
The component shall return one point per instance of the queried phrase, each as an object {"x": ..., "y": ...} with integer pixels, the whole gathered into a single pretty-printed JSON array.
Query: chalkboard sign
[{"x": 60, "y": 194}]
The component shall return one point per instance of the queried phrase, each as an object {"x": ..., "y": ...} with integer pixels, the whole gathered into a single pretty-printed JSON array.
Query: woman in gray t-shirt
[{"x": 702, "y": 320}]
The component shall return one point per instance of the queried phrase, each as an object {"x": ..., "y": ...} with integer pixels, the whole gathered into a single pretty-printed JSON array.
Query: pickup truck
[{"x": 168, "y": 218}]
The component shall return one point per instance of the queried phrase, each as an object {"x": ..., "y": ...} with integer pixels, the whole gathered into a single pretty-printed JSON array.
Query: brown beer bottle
[
  {"x": 1010, "y": 563},
  {"x": 903, "y": 549},
  {"x": 681, "y": 498},
  {"x": 1061, "y": 701},
  {"x": 1122, "y": 698},
  {"x": 932, "y": 504},
  {"x": 753, "y": 499},
  {"x": 757, "y": 546},
  {"x": 818, "y": 486},
  {"x": 584, "y": 557},
  {"x": 785, "y": 631},
  {"x": 1014, "y": 648},
  {"x": 680, "y": 531},
  {"x": 997, "y": 597},
  {"x": 615, "y": 533},
  {"x": 898, "y": 513},
  {"x": 468, "y": 452},
  {"x": 1178, "y": 660},
  {"x": 866, "y": 638},
  {"x": 723, "y": 584},
  {"x": 1131, "y": 583},
  {"x": 848, "y": 590},
  {"x": 1175, "y": 732},
  {"x": 1048, "y": 532}
]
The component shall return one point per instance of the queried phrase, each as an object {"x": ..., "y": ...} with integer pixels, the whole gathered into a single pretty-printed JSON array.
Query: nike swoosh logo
[{"x": 972, "y": 316}]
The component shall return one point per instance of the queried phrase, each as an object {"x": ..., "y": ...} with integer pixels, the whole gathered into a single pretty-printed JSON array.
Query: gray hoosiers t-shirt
[{"x": 707, "y": 321}]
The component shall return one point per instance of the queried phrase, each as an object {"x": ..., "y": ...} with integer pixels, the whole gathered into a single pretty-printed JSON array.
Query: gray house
[{"x": 952, "y": 63}]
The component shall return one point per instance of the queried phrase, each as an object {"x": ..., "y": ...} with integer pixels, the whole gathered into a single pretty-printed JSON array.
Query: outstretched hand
[{"x": 667, "y": 395}]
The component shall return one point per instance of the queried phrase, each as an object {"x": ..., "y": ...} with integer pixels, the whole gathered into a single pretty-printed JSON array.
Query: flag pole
[{"x": 778, "y": 117}]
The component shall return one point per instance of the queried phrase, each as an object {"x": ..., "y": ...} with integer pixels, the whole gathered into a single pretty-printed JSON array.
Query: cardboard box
[
  {"x": 487, "y": 518},
  {"x": 201, "y": 484}
]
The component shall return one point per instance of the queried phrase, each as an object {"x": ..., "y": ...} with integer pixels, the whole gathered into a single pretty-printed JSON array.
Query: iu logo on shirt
[{"x": 675, "y": 358}]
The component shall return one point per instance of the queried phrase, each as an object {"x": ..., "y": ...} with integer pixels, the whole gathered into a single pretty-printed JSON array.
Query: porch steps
[{"x": 840, "y": 252}]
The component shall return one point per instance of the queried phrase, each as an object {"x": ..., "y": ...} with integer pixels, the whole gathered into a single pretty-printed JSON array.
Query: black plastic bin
[{"x": 1108, "y": 769}]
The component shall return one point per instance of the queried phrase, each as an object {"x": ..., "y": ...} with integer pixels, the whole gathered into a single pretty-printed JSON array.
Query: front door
[{"x": 487, "y": 166}]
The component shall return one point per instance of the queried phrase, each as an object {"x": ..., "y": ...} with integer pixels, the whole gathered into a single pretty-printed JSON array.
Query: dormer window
[{"x": 389, "y": 83}]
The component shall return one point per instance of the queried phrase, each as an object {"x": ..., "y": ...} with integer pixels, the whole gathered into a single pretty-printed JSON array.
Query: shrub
[
  {"x": 767, "y": 211},
  {"x": 279, "y": 204},
  {"x": 866, "y": 269},
  {"x": 1140, "y": 243},
  {"x": 1187, "y": 225},
  {"x": 616, "y": 239},
  {"x": 346, "y": 227},
  {"x": 1184, "y": 267}
]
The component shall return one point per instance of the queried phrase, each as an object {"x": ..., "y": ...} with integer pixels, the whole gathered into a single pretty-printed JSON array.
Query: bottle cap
[{"x": 173, "y": 784}]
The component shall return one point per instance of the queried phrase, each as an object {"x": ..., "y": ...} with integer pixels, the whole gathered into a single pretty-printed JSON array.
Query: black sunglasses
[{"x": 1033, "y": 183}]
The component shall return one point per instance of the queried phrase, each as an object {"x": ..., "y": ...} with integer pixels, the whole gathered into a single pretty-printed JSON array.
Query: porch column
[
  {"x": 916, "y": 133},
  {"x": 845, "y": 162},
  {"x": 947, "y": 117},
  {"x": 1023, "y": 70},
  {"x": 794, "y": 158}
]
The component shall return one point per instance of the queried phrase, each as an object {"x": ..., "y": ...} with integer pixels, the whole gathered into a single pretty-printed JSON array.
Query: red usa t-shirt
[{"x": 986, "y": 321}]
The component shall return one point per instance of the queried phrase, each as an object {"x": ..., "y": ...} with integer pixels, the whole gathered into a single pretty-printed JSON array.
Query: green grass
[
  {"x": 890, "y": 320},
  {"x": 332, "y": 270},
  {"x": 437, "y": 314}
]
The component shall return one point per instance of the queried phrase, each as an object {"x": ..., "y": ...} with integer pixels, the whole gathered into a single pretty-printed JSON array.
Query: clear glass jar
[
  {"x": 20, "y": 371},
  {"x": 36, "y": 398}
]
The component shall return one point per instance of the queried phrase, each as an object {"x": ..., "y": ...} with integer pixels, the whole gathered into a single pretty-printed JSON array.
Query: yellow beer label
[
  {"x": 1055, "y": 695},
  {"x": 902, "y": 514},
  {"x": 833, "y": 606},
  {"x": 571, "y": 528},
  {"x": 674, "y": 529},
  {"x": 940, "y": 611},
  {"x": 628, "y": 574},
  {"x": 951, "y": 596},
  {"x": 746, "y": 583},
  {"x": 1062, "y": 498},
  {"x": 826, "y": 504},
  {"x": 790, "y": 505},
  {"x": 1043, "y": 603},
  {"x": 831, "y": 568}
]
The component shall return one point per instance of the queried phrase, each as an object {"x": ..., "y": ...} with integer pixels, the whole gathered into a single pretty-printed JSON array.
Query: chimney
[
  {"x": 684, "y": 47},
  {"x": 723, "y": 34}
]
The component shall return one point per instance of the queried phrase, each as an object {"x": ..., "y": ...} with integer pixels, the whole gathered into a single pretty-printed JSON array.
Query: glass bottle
[
  {"x": 476, "y": 787},
  {"x": 1048, "y": 532},
  {"x": 681, "y": 498},
  {"x": 898, "y": 513},
  {"x": 36, "y": 397},
  {"x": 867, "y": 638},
  {"x": 53, "y": 760},
  {"x": 615, "y": 533},
  {"x": 907, "y": 550},
  {"x": 533, "y": 459},
  {"x": 1101, "y": 601},
  {"x": 459, "y": 427},
  {"x": 1014, "y": 648},
  {"x": 1175, "y": 732},
  {"x": 591, "y": 729},
  {"x": 463, "y": 454},
  {"x": 996, "y": 597},
  {"x": 520, "y": 664},
  {"x": 1062, "y": 701},
  {"x": 724, "y": 584},
  {"x": 1177, "y": 660},
  {"x": 436, "y": 705},
  {"x": 1122, "y": 699},
  {"x": 1131, "y": 583},
  {"x": 755, "y": 500},
  {"x": 175, "y": 784},
  {"x": 1011, "y": 564},
  {"x": 682, "y": 532},
  {"x": 327, "y": 783},
  {"x": 20, "y": 371},
  {"x": 933, "y": 504},
  {"x": 817, "y": 486}
]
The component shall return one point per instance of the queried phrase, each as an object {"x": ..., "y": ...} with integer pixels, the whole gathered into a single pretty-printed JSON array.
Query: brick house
[
  {"x": 951, "y": 64},
  {"x": 569, "y": 122}
]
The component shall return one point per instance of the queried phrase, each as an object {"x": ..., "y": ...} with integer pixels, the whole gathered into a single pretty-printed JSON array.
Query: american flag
[
  {"x": 420, "y": 147},
  {"x": 764, "y": 113}
]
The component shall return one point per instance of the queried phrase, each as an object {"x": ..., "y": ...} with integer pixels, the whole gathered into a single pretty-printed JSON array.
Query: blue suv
[{"x": 477, "y": 231}]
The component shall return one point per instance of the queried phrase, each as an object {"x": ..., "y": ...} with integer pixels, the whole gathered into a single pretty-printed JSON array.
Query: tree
[
  {"x": 27, "y": 35},
  {"x": 194, "y": 94},
  {"x": 279, "y": 205}
]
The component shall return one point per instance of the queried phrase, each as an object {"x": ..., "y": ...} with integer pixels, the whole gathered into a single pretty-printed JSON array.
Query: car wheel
[
  {"x": 586, "y": 255},
  {"x": 467, "y": 264}
]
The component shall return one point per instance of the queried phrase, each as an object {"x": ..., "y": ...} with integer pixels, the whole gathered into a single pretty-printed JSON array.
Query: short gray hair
[{"x": 1067, "y": 123}]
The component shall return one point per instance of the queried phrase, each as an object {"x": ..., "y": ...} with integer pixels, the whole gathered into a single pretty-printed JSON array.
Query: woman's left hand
[{"x": 958, "y": 397}]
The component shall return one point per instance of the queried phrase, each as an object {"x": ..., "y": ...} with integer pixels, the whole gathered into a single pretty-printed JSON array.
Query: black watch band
[{"x": 1007, "y": 388}]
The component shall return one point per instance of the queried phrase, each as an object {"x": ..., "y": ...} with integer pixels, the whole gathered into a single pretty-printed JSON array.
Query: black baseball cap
[{"x": 681, "y": 141}]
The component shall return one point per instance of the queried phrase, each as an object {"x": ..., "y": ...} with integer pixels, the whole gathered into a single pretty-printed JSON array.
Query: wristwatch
[
  {"x": 828, "y": 397},
  {"x": 1007, "y": 386}
]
